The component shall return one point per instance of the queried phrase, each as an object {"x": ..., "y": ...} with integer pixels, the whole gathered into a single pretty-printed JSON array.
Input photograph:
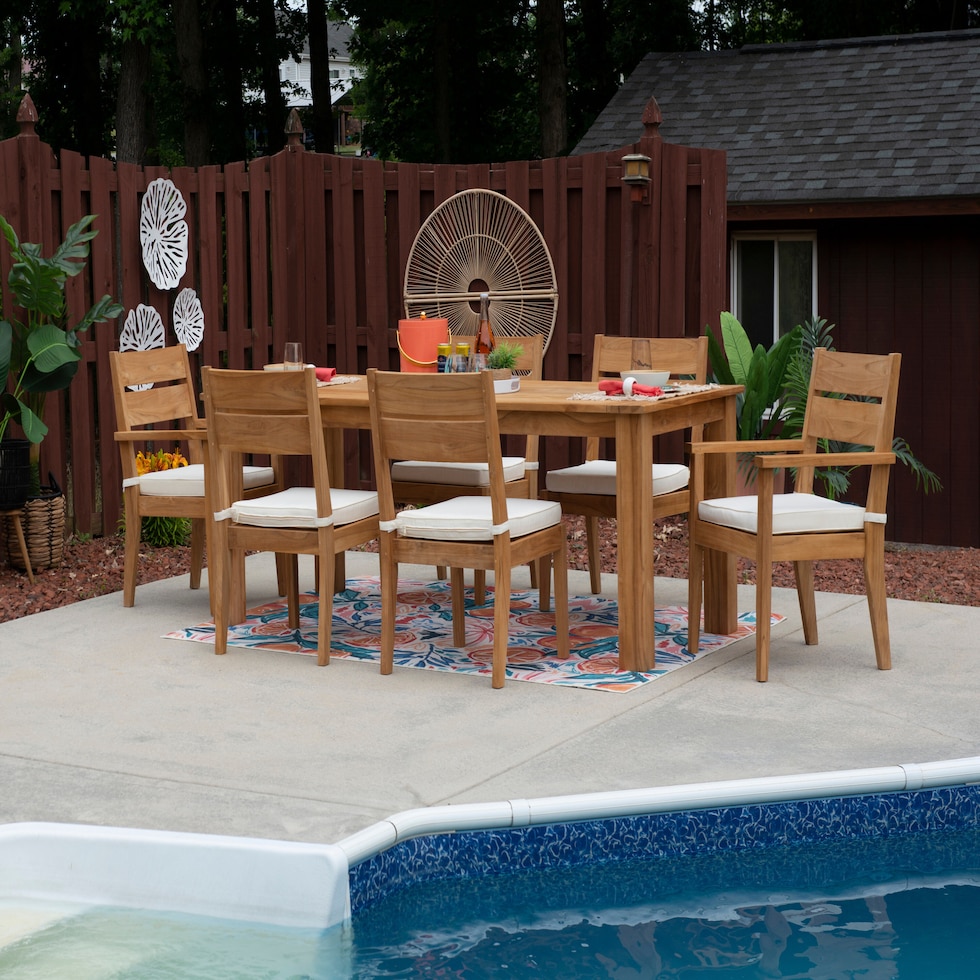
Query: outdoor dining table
[{"x": 568, "y": 408}]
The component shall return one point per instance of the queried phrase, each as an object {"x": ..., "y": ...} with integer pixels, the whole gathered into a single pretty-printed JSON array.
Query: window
[{"x": 774, "y": 282}]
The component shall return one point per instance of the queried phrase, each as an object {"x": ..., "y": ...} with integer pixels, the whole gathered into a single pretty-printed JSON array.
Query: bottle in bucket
[{"x": 484, "y": 333}]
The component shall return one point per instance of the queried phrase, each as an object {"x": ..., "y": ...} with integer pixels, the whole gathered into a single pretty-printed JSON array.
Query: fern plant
[{"x": 817, "y": 332}]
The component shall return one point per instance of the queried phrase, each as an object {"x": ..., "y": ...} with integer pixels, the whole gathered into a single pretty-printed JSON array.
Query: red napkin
[
  {"x": 613, "y": 387},
  {"x": 326, "y": 374}
]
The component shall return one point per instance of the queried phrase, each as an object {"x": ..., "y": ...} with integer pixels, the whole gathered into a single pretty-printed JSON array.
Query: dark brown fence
[{"x": 314, "y": 247}]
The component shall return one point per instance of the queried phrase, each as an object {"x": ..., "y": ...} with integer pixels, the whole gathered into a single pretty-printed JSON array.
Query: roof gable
[{"x": 890, "y": 117}]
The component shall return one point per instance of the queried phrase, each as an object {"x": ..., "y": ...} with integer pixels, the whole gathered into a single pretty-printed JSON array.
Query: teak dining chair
[
  {"x": 421, "y": 482},
  {"x": 589, "y": 488},
  {"x": 266, "y": 412},
  {"x": 852, "y": 400},
  {"x": 156, "y": 404},
  {"x": 453, "y": 418}
]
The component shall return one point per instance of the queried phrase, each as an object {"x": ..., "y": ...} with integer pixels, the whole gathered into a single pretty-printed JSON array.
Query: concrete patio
[{"x": 105, "y": 722}]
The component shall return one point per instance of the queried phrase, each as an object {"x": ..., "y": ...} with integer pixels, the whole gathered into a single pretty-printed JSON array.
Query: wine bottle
[{"x": 484, "y": 332}]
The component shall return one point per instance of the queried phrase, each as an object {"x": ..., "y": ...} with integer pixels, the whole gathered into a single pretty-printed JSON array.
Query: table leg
[
  {"x": 634, "y": 536},
  {"x": 720, "y": 577}
]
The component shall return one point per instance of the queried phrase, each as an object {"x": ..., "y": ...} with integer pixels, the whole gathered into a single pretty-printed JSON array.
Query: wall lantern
[{"x": 636, "y": 173}]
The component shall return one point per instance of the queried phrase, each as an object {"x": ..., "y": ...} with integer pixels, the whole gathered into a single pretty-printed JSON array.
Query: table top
[{"x": 552, "y": 396}]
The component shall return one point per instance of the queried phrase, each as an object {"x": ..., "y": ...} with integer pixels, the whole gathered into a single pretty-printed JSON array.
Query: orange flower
[{"x": 151, "y": 462}]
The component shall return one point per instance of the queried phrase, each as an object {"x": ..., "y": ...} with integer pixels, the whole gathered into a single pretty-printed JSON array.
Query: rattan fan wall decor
[{"x": 481, "y": 241}]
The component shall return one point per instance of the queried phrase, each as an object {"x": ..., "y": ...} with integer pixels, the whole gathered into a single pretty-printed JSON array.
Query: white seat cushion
[
  {"x": 188, "y": 481},
  {"x": 454, "y": 474},
  {"x": 296, "y": 507},
  {"x": 470, "y": 519},
  {"x": 598, "y": 476},
  {"x": 792, "y": 513}
]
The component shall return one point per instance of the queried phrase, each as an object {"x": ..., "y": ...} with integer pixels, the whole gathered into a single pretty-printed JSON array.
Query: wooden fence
[{"x": 314, "y": 247}]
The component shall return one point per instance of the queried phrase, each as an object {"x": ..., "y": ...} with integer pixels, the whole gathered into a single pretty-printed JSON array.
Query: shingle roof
[{"x": 886, "y": 117}]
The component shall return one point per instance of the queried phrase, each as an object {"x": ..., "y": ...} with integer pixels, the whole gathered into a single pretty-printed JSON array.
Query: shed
[{"x": 854, "y": 194}]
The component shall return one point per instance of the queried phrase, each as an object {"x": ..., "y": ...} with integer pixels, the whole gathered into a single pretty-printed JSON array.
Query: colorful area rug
[{"x": 423, "y": 637}]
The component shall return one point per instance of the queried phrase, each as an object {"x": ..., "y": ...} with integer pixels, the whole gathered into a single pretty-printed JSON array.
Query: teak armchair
[
  {"x": 589, "y": 489},
  {"x": 852, "y": 399},
  {"x": 266, "y": 412},
  {"x": 453, "y": 417},
  {"x": 155, "y": 388}
]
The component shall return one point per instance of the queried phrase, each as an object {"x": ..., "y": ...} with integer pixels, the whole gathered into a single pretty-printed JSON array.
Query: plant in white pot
[{"x": 39, "y": 346}]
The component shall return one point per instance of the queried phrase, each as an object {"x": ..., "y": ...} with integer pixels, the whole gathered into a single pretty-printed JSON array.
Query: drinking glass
[
  {"x": 478, "y": 362},
  {"x": 293, "y": 357}
]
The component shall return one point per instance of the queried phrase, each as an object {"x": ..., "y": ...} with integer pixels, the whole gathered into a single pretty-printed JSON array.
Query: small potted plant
[{"x": 502, "y": 360}]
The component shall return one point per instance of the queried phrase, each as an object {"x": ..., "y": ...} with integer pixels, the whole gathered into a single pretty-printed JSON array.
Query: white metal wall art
[
  {"x": 163, "y": 233},
  {"x": 188, "y": 319}
]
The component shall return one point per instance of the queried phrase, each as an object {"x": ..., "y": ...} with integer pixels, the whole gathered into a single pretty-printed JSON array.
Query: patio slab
[{"x": 106, "y": 722}]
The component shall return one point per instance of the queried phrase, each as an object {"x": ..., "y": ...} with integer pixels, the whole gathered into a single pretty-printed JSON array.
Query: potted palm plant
[{"x": 38, "y": 344}]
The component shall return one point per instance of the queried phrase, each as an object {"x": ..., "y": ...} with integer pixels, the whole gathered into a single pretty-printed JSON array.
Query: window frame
[{"x": 796, "y": 235}]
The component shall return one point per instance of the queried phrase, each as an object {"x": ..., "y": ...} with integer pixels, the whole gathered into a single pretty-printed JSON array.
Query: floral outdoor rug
[{"x": 423, "y": 636}]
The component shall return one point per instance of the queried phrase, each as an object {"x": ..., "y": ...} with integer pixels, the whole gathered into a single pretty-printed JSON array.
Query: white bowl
[{"x": 653, "y": 379}]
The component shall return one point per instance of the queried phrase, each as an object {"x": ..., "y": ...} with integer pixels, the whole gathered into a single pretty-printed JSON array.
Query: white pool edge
[
  {"x": 276, "y": 882},
  {"x": 306, "y": 885},
  {"x": 457, "y": 818}
]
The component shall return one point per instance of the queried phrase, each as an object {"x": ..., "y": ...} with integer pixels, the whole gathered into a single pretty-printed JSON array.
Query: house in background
[
  {"x": 343, "y": 76},
  {"x": 853, "y": 194}
]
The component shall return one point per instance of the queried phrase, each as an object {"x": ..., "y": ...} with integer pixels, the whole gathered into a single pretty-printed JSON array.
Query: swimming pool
[{"x": 659, "y": 849}]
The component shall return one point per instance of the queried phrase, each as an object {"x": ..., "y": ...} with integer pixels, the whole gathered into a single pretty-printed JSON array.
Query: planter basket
[
  {"x": 15, "y": 473},
  {"x": 44, "y": 530}
]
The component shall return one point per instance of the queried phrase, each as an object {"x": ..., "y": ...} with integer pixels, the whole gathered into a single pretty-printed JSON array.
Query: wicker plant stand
[{"x": 37, "y": 538}]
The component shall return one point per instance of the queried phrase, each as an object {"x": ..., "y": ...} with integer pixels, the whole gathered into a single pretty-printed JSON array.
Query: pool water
[
  {"x": 126, "y": 944},
  {"x": 904, "y": 908}
]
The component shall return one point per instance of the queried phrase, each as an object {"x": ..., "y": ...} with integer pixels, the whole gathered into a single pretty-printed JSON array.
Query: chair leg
[
  {"x": 874, "y": 582},
  {"x": 803, "y": 571},
  {"x": 389, "y": 603},
  {"x": 560, "y": 558},
  {"x": 220, "y": 582},
  {"x": 459, "y": 607},
  {"x": 325, "y": 587},
  {"x": 542, "y": 568},
  {"x": 695, "y": 576},
  {"x": 282, "y": 574},
  {"x": 592, "y": 543},
  {"x": 197, "y": 551},
  {"x": 441, "y": 572},
  {"x": 292, "y": 589},
  {"x": 479, "y": 586},
  {"x": 501, "y": 624},
  {"x": 134, "y": 527},
  {"x": 763, "y": 618}
]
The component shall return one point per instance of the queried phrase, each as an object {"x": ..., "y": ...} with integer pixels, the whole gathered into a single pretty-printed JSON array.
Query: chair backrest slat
[{"x": 442, "y": 418}]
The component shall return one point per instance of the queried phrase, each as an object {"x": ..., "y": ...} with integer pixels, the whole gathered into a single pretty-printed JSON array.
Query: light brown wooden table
[{"x": 547, "y": 408}]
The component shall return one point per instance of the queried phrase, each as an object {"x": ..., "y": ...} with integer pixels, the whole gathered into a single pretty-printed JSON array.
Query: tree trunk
[
  {"x": 131, "y": 102},
  {"x": 317, "y": 27},
  {"x": 190, "y": 60},
  {"x": 552, "y": 77},
  {"x": 275, "y": 103}
]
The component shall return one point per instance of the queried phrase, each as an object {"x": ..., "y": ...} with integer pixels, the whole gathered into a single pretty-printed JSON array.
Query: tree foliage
[{"x": 197, "y": 81}]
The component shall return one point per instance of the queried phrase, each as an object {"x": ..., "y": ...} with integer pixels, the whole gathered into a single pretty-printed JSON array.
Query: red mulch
[{"x": 94, "y": 567}]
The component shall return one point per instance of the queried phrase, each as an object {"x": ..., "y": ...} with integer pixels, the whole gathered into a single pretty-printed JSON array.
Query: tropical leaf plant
[{"x": 817, "y": 332}]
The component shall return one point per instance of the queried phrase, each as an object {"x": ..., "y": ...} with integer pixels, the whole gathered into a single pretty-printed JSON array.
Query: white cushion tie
[
  {"x": 224, "y": 515},
  {"x": 871, "y": 518}
]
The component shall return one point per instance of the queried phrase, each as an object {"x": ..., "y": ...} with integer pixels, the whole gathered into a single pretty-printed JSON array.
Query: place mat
[
  {"x": 423, "y": 635},
  {"x": 339, "y": 379},
  {"x": 680, "y": 390}
]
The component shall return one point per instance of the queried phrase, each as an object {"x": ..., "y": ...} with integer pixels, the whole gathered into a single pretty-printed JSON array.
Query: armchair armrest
[
  {"x": 824, "y": 459},
  {"x": 145, "y": 435},
  {"x": 745, "y": 446}
]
